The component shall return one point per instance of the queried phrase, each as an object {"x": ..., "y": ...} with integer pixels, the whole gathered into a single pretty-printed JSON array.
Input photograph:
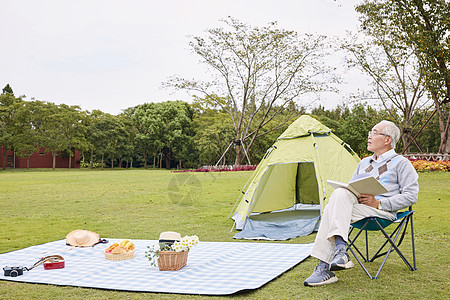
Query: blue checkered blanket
[{"x": 213, "y": 268}]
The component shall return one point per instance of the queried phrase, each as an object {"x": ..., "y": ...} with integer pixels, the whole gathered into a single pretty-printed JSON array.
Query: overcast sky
[{"x": 111, "y": 55}]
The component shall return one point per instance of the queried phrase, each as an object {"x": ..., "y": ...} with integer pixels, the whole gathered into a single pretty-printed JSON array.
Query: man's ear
[{"x": 388, "y": 141}]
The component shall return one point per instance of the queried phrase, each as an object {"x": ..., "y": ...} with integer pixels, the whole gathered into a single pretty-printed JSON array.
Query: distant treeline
[{"x": 172, "y": 134}]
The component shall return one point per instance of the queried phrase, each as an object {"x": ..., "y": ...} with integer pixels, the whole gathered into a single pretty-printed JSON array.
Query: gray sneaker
[
  {"x": 321, "y": 275},
  {"x": 341, "y": 260}
]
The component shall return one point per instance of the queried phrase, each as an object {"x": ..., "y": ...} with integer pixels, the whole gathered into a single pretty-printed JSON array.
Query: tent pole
[
  {"x": 224, "y": 154},
  {"x": 243, "y": 147}
]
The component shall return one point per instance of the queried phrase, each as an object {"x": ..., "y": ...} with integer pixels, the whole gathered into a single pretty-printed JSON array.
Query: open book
[{"x": 361, "y": 184}]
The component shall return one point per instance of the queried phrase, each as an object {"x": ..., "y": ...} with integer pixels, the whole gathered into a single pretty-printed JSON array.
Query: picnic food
[
  {"x": 120, "y": 248},
  {"x": 118, "y": 251}
]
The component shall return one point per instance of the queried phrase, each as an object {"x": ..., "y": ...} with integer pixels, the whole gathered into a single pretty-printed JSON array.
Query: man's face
[{"x": 377, "y": 141}]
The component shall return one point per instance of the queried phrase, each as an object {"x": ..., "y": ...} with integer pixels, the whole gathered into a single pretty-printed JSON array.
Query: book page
[
  {"x": 337, "y": 184},
  {"x": 368, "y": 185}
]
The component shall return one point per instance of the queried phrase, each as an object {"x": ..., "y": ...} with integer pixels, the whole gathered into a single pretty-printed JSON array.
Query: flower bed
[
  {"x": 221, "y": 169},
  {"x": 429, "y": 166}
]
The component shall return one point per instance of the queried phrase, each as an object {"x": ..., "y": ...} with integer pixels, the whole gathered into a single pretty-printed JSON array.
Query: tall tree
[
  {"x": 127, "y": 147},
  {"x": 63, "y": 130},
  {"x": 254, "y": 70},
  {"x": 8, "y": 109},
  {"x": 168, "y": 128},
  {"x": 423, "y": 26},
  {"x": 395, "y": 76},
  {"x": 108, "y": 135},
  {"x": 8, "y": 89},
  {"x": 147, "y": 126},
  {"x": 28, "y": 135}
]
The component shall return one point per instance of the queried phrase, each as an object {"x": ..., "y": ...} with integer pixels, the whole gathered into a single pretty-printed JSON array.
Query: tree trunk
[
  {"x": 168, "y": 160},
  {"x": 70, "y": 159},
  {"x": 445, "y": 141},
  {"x": 54, "y": 159},
  {"x": 407, "y": 135},
  {"x": 131, "y": 164},
  {"x": 112, "y": 163},
  {"x": 4, "y": 158},
  {"x": 239, "y": 156},
  {"x": 120, "y": 162},
  {"x": 102, "y": 160},
  {"x": 145, "y": 159},
  {"x": 92, "y": 158},
  {"x": 28, "y": 162},
  {"x": 154, "y": 161},
  {"x": 442, "y": 124}
]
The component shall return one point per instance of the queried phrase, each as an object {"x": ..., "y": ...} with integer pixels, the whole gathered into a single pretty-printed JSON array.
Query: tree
[
  {"x": 147, "y": 127},
  {"x": 164, "y": 128},
  {"x": 126, "y": 149},
  {"x": 63, "y": 130},
  {"x": 8, "y": 90},
  {"x": 108, "y": 135},
  {"x": 28, "y": 129},
  {"x": 395, "y": 76},
  {"x": 257, "y": 73},
  {"x": 355, "y": 127},
  {"x": 422, "y": 26},
  {"x": 214, "y": 131},
  {"x": 8, "y": 109}
]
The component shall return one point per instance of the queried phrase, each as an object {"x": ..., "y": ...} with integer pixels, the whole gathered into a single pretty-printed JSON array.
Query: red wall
[{"x": 40, "y": 159}]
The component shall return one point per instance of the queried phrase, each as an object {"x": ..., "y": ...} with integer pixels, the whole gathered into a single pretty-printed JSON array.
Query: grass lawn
[{"x": 40, "y": 206}]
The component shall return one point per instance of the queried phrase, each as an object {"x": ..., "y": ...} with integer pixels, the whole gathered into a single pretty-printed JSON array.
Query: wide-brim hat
[
  {"x": 82, "y": 238},
  {"x": 169, "y": 237}
]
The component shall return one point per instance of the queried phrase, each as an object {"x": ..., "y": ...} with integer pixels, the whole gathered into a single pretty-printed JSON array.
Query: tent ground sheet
[{"x": 213, "y": 268}]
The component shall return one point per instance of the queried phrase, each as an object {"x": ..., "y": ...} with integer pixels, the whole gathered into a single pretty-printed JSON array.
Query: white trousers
[{"x": 342, "y": 209}]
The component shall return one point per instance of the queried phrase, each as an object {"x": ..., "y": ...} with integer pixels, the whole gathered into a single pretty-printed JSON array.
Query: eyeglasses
[{"x": 371, "y": 133}]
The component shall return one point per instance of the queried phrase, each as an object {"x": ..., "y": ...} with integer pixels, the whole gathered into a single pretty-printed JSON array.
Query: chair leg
[
  {"x": 378, "y": 254},
  {"x": 360, "y": 263},
  {"x": 393, "y": 245},
  {"x": 351, "y": 244},
  {"x": 412, "y": 241}
]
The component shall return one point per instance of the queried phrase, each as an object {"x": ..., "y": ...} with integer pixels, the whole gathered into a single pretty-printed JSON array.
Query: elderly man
[{"x": 399, "y": 177}]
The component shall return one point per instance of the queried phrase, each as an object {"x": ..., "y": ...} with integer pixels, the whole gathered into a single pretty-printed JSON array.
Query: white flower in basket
[{"x": 171, "y": 257}]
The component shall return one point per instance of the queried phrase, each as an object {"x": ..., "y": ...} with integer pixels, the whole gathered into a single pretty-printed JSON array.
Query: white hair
[{"x": 390, "y": 129}]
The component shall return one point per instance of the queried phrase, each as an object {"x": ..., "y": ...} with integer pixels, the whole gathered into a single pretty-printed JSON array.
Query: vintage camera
[{"x": 13, "y": 271}]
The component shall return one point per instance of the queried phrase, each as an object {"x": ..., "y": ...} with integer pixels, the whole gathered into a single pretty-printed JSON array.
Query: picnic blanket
[{"x": 213, "y": 268}]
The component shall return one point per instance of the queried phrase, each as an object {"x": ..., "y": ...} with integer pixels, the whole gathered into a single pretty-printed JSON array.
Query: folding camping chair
[{"x": 378, "y": 224}]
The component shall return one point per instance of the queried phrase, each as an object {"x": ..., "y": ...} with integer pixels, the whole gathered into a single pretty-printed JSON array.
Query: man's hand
[{"x": 368, "y": 200}]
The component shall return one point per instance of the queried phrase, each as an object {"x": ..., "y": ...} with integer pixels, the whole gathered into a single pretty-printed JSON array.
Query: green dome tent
[{"x": 290, "y": 181}]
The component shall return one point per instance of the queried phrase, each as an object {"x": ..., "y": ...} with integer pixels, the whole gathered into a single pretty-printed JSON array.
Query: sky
[{"x": 111, "y": 55}]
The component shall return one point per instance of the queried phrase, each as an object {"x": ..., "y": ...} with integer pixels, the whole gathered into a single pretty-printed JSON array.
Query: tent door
[{"x": 307, "y": 189}]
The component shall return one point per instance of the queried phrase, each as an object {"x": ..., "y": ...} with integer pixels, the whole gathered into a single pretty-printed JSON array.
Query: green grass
[{"x": 40, "y": 206}]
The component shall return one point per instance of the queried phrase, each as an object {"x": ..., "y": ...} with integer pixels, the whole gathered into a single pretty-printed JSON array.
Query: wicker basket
[
  {"x": 127, "y": 255},
  {"x": 172, "y": 260}
]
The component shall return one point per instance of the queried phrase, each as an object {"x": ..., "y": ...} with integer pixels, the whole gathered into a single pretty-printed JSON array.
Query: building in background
[{"x": 39, "y": 159}]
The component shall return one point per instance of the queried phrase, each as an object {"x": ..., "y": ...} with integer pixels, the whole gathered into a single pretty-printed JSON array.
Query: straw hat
[
  {"x": 82, "y": 238},
  {"x": 169, "y": 237}
]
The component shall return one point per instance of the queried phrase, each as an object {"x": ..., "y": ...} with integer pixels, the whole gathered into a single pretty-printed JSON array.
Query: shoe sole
[
  {"x": 330, "y": 280},
  {"x": 338, "y": 267}
]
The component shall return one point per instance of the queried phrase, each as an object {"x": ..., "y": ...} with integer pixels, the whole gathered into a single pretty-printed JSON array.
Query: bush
[
  {"x": 87, "y": 165},
  {"x": 429, "y": 166}
]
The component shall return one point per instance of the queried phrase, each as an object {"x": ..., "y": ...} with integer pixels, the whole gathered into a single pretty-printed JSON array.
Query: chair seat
[{"x": 372, "y": 225}]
